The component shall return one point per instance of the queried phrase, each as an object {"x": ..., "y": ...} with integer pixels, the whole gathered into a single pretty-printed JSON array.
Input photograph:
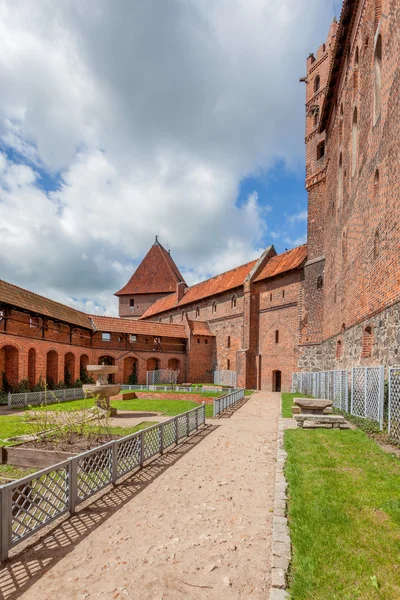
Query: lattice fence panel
[
  {"x": 367, "y": 393},
  {"x": 162, "y": 376},
  {"x": 38, "y": 501},
  {"x": 151, "y": 442},
  {"x": 182, "y": 426},
  {"x": 192, "y": 421},
  {"x": 128, "y": 455},
  {"x": 394, "y": 404},
  {"x": 169, "y": 428},
  {"x": 94, "y": 472}
]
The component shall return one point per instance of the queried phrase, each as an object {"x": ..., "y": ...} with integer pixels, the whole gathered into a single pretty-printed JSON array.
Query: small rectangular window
[
  {"x": 34, "y": 322},
  {"x": 106, "y": 337},
  {"x": 228, "y": 364},
  {"x": 277, "y": 336},
  {"x": 206, "y": 341},
  {"x": 132, "y": 302},
  {"x": 270, "y": 297},
  {"x": 228, "y": 342},
  {"x": 283, "y": 293},
  {"x": 320, "y": 150},
  {"x": 132, "y": 338}
]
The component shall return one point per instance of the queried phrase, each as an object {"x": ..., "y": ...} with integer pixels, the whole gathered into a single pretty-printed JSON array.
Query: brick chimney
[{"x": 180, "y": 290}]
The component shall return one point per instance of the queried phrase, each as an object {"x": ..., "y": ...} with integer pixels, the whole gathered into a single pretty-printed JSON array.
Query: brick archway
[
  {"x": 52, "y": 368},
  {"x": 9, "y": 356},
  {"x": 32, "y": 367},
  {"x": 69, "y": 368},
  {"x": 130, "y": 369},
  {"x": 152, "y": 364},
  {"x": 106, "y": 359},
  {"x": 83, "y": 363}
]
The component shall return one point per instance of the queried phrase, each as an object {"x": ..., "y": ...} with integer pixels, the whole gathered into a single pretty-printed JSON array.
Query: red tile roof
[
  {"x": 157, "y": 273},
  {"x": 21, "y": 298},
  {"x": 292, "y": 259},
  {"x": 117, "y": 325},
  {"x": 200, "y": 328},
  {"x": 216, "y": 285}
]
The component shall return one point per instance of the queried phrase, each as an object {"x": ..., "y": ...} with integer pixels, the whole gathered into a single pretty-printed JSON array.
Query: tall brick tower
[
  {"x": 156, "y": 277},
  {"x": 316, "y": 81}
]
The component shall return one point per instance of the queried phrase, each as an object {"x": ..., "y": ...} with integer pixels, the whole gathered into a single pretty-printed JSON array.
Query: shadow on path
[
  {"x": 231, "y": 410},
  {"x": 23, "y": 569}
]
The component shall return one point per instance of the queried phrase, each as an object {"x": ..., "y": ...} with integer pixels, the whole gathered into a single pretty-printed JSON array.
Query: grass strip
[
  {"x": 287, "y": 403},
  {"x": 344, "y": 516}
]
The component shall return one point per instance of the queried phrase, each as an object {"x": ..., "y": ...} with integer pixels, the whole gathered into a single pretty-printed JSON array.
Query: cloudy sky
[{"x": 123, "y": 119}]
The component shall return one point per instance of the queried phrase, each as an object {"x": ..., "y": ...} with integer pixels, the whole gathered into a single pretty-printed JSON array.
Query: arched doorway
[
  {"x": 52, "y": 368},
  {"x": 32, "y": 367},
  {"x": 130, "y": 370},
  {"x": 107, "y": 360},
  {"x": 174, "y": 364},
  {"x": 83, "y": 363},
  {"x": 8, "y": 367},
  {"x": 152, "y": 364},
  {"x": 276, "y": 381},
  {"x": 69, "y": 368}
]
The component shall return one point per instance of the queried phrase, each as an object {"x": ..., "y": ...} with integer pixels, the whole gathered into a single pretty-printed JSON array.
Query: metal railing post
[
  {"x": 73, "y": 484},
  {"x": 197, "y": 418},
  {"x": 176, "y": 430},
  {"x": 5, "y": 522},
  {"x": 187, "y": 425},
  {"x": 389, "y": 395},
  {"x": 381, "y": 395}
]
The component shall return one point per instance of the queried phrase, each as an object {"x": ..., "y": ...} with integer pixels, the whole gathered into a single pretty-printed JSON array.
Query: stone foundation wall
[{"x": 385, "y": 328}]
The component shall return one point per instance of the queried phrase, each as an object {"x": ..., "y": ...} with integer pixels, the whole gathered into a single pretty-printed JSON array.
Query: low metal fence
[
  {"x": 45, "y": 397},
  {"x": 170, "y": 388},
  {"x": 30, "y": 503},
  {"x": 367, "y": 393},
  {"x": 224, "y": 402},
  {"x": 329, "y": 385},
  {"x": 394, "y": 404}
]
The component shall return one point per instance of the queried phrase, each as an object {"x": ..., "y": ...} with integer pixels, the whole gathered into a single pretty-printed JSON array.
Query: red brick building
[{"x": 350, "y": 307}]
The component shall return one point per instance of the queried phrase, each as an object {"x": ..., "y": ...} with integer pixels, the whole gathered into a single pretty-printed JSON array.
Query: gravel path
[{"x": 197, "y": 525}]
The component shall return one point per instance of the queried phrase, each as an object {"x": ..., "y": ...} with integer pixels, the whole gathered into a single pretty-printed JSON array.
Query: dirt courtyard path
[{"x": 195, "y": 526}]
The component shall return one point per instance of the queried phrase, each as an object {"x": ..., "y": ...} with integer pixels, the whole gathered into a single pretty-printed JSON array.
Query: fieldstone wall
[{"x": 385, "y": 328}]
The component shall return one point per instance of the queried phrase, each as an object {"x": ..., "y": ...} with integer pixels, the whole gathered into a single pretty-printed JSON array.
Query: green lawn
[
  {"x": 287, "y": 403},
  {"x": 167, "y": 407},
  {"x": 344, "y": 516}
]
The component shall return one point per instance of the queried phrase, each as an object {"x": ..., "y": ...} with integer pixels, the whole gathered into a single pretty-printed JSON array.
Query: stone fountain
[{"x": 102, "y": 389}]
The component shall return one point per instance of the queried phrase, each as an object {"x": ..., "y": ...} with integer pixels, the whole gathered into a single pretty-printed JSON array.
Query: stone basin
[{"x": 102, "y": 389}]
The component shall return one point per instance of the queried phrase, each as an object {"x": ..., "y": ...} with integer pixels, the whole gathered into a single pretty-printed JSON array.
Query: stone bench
[
  {"x": 312, "y": 406},
  {"x": 332, "y": 421}
]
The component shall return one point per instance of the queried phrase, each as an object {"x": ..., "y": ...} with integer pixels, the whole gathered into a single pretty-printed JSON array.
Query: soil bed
[{"x": 74, "y": 443}]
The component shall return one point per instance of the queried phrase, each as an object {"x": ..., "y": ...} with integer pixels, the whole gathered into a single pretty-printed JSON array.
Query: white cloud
[
  {"x": 299, "y": 217},
  {"x": 152, "y": 113}
]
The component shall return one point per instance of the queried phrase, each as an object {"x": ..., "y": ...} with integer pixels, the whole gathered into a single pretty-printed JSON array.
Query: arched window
[
  {"x": 355, "y": 73},
  {"x": 320, "y": 282},
  {"x": 171, "y": 318},
  {"x": 339, "y": 349},
  {"x": 228, "y": 341},
  {"x": 377, "y": 78},
  {"x": 354, "y": 142},
  {"x": 376, "y": 184},
  {"x": 340, "y": 181},
  {"x": 159, "y": 320},
  {"x": 233, "y": 302},
  {"x": 283, "y": 293},
  {"x": 367, "y": 342},
  {"x": 343, "y": 327},
  {"x": 197, "y": 311},
  {"x": 376, "y": 244},
  {"x": 317, "y": 83},
  {"x": 277, "y": 336},
  {"x": 378, "y": 12},
  {"x": 270, "y": 297},
  {"x": 214, "y": 307},
  {"x": 183, "y": 315}
]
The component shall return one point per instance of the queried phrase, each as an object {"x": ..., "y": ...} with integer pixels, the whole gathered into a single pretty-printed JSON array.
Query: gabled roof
[
  {"x": 200, "y": 328},
  {"x": 211, "y": 287},
  {"x": 157, "y": 273},
  {"x": 20, "y": 298},
  {"x": 292, "y": 259},
  {"x": 133, "y": 326}
]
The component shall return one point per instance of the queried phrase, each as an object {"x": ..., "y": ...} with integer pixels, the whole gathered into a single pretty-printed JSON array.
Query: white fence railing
[
  {"x": 224, "y": 402},
  {"x": 225, "y": 378},
  {"x": 366, "y": 386},
  {"x": 394, "y": 404},
  {"x": 45, "y": 397},
  {"x": 171, "y": 388},
  {"x": 30, "y": 503}
]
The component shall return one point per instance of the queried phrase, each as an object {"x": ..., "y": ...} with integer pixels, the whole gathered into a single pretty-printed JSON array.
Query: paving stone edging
[{"x": 280, "y": 532}]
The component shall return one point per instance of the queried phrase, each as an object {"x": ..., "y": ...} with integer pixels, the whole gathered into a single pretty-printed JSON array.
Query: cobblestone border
[{"x": 280, "y": 532}]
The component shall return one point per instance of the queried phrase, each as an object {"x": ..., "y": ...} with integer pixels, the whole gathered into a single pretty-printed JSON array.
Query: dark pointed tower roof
[{"x": 157, "y": 273}]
